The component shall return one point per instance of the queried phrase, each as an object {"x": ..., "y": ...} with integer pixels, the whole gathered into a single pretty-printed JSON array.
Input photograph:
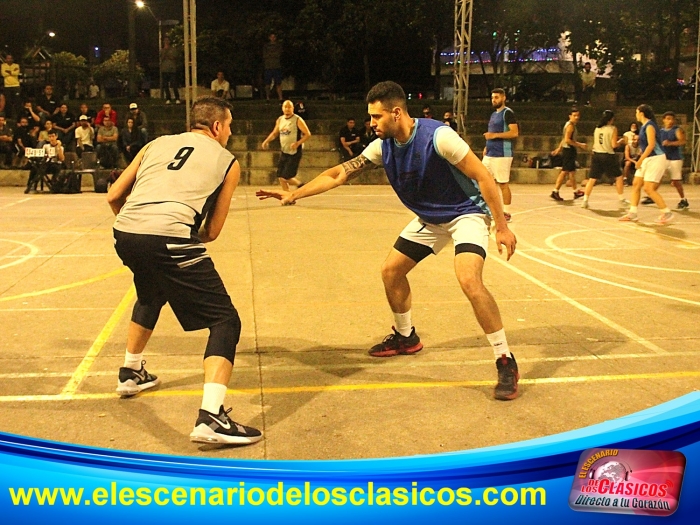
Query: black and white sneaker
[
  {"x": 220, "y": 428},
  {"x": 131, "y": 381}
]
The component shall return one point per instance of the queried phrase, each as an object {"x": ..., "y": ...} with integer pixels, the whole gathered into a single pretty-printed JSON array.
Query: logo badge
[{"x": 619, "y": 481}]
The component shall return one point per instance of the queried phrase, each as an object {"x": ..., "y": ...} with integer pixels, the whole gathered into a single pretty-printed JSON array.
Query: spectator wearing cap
[
  {"x": 84, "y": 135},
  {"x": 140, "y": 120},
  {"x": 106, "y": 113}
]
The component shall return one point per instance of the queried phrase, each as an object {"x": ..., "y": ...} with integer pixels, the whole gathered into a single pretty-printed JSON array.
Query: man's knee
[{"x": 223, "y": 339}]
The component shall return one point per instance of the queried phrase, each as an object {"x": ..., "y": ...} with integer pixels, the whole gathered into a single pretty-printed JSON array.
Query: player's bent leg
[{"x": 404, "y": 256}]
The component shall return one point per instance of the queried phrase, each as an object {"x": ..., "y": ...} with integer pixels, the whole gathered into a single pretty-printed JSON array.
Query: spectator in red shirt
[{"x": 106, "y": 112}]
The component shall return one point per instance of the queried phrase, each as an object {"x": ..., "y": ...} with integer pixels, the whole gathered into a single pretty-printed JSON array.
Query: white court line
[
  {"x": 608, "y": 322},
  {"x": 33, "y": 250},
  {"x": 612, "y": 283},
  {"x": 400, "y": 366},
  {"x": 549, "y": 241},
  {"x": 15, "y": 203}
]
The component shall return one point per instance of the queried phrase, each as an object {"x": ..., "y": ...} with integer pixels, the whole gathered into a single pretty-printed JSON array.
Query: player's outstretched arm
[
  {"x": 214, "y": 222},
  {"x": 329, "y": 179},
  {"x": 120, "y": 190},
  {"x": 472, "y": 167}
]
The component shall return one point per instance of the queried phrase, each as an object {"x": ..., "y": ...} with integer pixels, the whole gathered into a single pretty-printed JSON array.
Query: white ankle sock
[
  {"x": 499, "y": 343},
  {"x": 133, "y": 361},
  {"x": 585, "y": 198},
  {"x": 506, "y": 208},
  {"x": 213, "y": 398},
  {"x": 633, "y": 210},
  {"x": 402, "y": 323},
  {"x": 666, "y": 210}
]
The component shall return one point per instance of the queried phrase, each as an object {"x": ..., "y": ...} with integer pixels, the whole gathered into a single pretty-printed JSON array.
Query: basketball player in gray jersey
[{"x": 173, "y": 198}]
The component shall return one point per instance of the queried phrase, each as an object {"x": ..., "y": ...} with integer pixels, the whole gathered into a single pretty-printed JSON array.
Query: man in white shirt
[
  {"x": 84, "y": 135},
  {"x": 220, "y": 86}
]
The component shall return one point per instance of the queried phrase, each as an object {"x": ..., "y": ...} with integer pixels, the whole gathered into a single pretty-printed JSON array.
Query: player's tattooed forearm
[{"x": 357, "y": 166}]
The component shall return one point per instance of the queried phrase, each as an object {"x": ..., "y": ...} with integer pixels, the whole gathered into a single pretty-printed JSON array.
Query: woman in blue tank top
[{"x": 651, "y": 167}]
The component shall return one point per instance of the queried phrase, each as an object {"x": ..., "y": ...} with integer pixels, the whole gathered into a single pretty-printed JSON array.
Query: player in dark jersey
[{"x": 437, "y": 176}]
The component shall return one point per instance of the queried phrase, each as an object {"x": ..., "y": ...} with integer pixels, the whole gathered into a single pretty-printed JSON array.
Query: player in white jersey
[
  {"x": 172, "y": 198},
  {"x": 604, "y": 160}
]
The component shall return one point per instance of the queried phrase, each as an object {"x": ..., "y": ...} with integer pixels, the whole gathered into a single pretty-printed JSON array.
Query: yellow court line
[
  {"x": 65, "y": 286},
  {"x": 96, "y": 347},
  {"x": 356, "y": 387}
]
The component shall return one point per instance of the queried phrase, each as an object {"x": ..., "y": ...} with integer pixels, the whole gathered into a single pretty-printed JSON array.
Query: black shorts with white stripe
[{"x": 179, "y": 272}]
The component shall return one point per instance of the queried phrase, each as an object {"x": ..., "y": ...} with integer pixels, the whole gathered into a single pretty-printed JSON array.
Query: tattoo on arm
[{"x": 355, "y": 167}]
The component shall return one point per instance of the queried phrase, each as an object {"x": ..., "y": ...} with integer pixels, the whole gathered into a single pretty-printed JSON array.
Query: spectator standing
[
  {"x": 293, "y": 132},
  {"x": 349, "y": 138},
  {"x": 587, "y": 83},
  {"x": 272, "y": 60},
  {"x": 220, "y": 87},
  {"x": 93, "y": 89},
  {"x": 301, "y": 110},
  {"x": 107, "y": 144},
  {"x": 84, "y": 135},
  {"x": 168, "y": 69},
  {"x": 5, "y": 143},
  {"x": 140, "y": 121},
  {"x": 10, "y": 75},
  {"x": 106, "y": 113}
]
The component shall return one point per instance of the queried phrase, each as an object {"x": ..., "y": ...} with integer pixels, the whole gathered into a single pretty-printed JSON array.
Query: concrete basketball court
[{"x": 601, "y": 315}]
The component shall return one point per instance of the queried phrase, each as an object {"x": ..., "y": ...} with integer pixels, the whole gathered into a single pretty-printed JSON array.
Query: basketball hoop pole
[{"x": 189, "y": 17}]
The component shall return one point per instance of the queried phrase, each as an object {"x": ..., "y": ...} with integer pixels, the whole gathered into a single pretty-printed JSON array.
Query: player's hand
[
  {"x": 265, "y": 145},
  {"x": 488, "y": 135},
  {"x": 666, "y": 143},
  {"x": 506, "y": 238},
  {"x": 283, "y": 196}
]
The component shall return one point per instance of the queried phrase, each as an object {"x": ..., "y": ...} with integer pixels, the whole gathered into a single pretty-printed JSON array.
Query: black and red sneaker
[
  {"x": 555, "y": 195},
  {"x": 578, "y": 194},
  {"x": 508, "y": 376},
  {"x": 397, "y": 344}
]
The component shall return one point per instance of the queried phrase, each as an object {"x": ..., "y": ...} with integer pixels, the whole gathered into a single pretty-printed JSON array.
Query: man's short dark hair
[
  {"x": 574, "y": 109},
  {"x": 389, "y": 93},
  {"x": 207, "y": 110},
  {"x": 349, "y": 119},
  {"x": 499, "y": 91},
  {"x": 669, "y": 114},
  {"x": 53, "y": 132}
]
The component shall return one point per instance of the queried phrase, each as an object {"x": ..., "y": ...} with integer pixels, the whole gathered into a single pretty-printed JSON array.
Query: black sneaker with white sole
[
  {"x": 131, "y": 381},
  {"x": 219, "y": 428}
]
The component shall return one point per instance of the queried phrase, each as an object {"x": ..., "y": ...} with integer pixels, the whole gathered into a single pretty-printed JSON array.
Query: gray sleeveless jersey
[
  {"x": 289, "y": 132},
  {"x": 176, "y": 185}
]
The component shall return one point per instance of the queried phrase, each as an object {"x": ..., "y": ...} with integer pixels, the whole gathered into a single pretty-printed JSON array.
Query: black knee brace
[
  {"x": 146, "y": 315},
  {"x": 223, "y": 339}
]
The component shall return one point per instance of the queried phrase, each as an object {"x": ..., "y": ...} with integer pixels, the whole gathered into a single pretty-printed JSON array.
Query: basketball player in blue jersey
[
  {"x": 498, "y": 153},
  {"x": 651, "y": 167},
  {"x": 672, "y": 141},
  {"x": 437, "y": 176},
  {"x": 173, "y": 198}
]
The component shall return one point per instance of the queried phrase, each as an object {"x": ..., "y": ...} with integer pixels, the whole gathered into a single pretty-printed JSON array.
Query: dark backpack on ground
[{"x": 65, "y": 182}]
